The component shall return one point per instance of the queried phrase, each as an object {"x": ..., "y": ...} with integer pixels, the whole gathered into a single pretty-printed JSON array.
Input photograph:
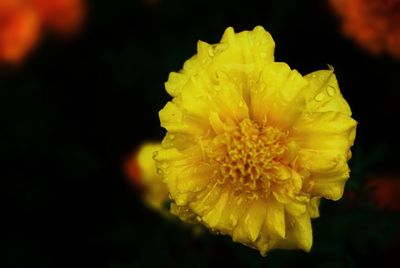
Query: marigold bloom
[
  {"x": 251, "y": 145},
  {"x": 374, "y": 24},
  {"x": 19, "y": 30},
  {"x": 142, "y": 171}
]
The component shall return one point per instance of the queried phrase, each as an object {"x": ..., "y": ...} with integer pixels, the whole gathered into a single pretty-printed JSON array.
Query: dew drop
[
  {"x": 331, "y": 91},
  {"x": 319, "y": 97},
  {"x": 155, "y": 154},
  {"x": 164, "y": 165},
  {"x": 159, "y": 171},
  {"x": 258, "y": 29}
]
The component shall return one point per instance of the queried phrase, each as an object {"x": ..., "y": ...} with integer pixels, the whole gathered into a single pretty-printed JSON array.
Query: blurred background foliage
[{"x": 76, "y": 109}]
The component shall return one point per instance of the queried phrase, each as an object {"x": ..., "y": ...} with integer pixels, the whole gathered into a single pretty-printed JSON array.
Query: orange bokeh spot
[
  {"x": 373, "y": 24},
  {"x": 132, "y": 171},
  {"x": 62, "y": 16},
  {"x": 385, "y": 192},
  {"x": 19, "y": 31},
  {"x": 22, "y": 21}
]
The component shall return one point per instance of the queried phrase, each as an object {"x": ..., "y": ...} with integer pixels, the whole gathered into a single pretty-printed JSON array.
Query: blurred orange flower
[
  {"x": 62, "y": 16},
  {"x": 19, "y": 30},
  {"x": 374, "y": 24},
  {"x": 22, "y": 21},
  {"x": 385, "y": 192}
]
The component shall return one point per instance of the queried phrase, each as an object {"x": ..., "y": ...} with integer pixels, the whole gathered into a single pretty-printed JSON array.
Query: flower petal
[
  {"x": 275, "y": 220},
  {"x": 277, "y": 99},
  {"x": 255, "y": 218},
  {"x": 206, "y": 200},
  {"x": 325, "y": 131},
  {"x": 299, "y": 233},
  {"x": 323, "y": 93},
  {"x": 255, "y": 47},
  {"x": 213, "y": 217}
]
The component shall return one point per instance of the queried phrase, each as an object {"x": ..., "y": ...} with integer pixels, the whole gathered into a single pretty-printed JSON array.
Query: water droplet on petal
[
  {"x": 259, "y": 29},
  {"x": 319, "y": 97},
  {"x": 331, "y": 91},
  {"x": 164, "y": 165}
]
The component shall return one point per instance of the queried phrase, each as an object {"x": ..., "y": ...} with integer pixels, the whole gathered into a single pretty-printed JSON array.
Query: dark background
[{"x": 75, "y": 110}]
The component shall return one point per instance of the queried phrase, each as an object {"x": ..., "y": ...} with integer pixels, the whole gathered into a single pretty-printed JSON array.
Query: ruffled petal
[
  {"x": 299, "y": 233},
  {"x": 277, "y": 98},
  {"x": 323, "y": 93}
]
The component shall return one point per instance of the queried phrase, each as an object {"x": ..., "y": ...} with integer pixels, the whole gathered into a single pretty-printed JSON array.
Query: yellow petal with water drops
[
  {"x": 229, "y": 102},
  {"x": 247, "y": 47},
  {"x": 324, "y": 131},
  {"x": 323, "y": 93},
  {"x": 172, "y": 119},
  {"x": 275, "y": 220},
  {"x": 330, "y": 187},
  {"x": 194, "y": 178},
  {"x": 264, "y": 243},
  {"x": 213, "y": 217},
  {"x": 300, "y": 231},
  {"x": 234, "y": 210},
  {"x": 240, "y": 233},
  {"x": 313, "y": 207},
  {"x": 291, "y": 153},
  {"x": 194, "y": 99},
  {"x": 329, "y": 172},
  {"x": 296, "y": 208},
  {"x": 183, "y": 212},
  {"x": 255, "y": 218},
  {"x": 206, "y": 200},
  {"x": 279, "y": 98},
  {"x": 175, "y": 83},
  {"x": 216, "y": 123}
]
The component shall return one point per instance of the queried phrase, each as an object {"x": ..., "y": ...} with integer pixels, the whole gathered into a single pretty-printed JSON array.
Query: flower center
[{"x": 251, "y": 158}]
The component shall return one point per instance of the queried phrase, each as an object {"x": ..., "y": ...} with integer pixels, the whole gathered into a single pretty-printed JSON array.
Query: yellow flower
[
  {"x": 252, "y": 145},
  {"x": 142, "y": 171}
]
